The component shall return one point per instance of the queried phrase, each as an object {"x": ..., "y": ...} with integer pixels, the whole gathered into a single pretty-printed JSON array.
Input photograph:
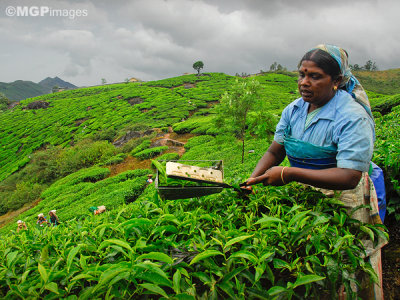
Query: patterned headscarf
[{"x": 349, "y": 82}]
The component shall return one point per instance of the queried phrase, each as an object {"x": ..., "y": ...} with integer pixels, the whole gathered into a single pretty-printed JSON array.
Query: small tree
[
  {"x": 103, "y": 81},
  {"x": 198, "y": 65},
  {"x": 355, "y": 67},
  {"x": 4, "y": 102},
  {"x": 273, "y": 66},
  {"x": 370, "y": 66},
  {"x": 234, "y": 108}
]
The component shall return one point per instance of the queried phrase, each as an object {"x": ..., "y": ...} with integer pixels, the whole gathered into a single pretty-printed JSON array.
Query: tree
[
  {"x": 273, "y": 66},
  {"x": 4, "y": 102},
  {"x": 103, "y": 81},
  {"x": 355, "y": 67},
  {"x": 370, "y": 66},
  {"x": 234, "y": 108},
  {"x": 198, "y": 65}
]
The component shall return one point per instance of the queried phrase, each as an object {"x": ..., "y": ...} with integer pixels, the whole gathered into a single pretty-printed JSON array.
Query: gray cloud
[{"x": 154, "y": 39}]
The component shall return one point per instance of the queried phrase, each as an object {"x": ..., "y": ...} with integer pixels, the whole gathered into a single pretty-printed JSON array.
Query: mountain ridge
[{"x": 23, "y": 89}]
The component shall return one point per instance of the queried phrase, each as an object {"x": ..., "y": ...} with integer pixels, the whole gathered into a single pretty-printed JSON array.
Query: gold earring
[{"x": 335, "y": 88}]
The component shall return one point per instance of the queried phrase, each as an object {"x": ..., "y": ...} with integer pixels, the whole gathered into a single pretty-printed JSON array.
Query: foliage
[
  {"x": 72, "y": 195},
  {"x": 277, "y": 67},
  {"x": 290, "y": 242},
  {"x": 151, "y": 152},
  {"x": 369, "y": 66},
  {"x": 115, "y": 159},
  {"x": 4, "y": 102},
  {"x": 384, "y": 104},
  {"x": 384, "y": 82},
  {"x": 96, "y": 112},
  {"x": 387, "y": 155},
  {"x": 235, "y": 107},
  {"x": 198, "y": 65},
  {"x": 198, "y": 125},
  {"x": 46, "y": 166},
  {"x": 168, "y": 156}
]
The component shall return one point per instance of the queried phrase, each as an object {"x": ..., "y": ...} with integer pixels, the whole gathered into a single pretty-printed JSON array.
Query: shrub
[
  {"x": 142, "y": 146},
  {"x": 167, "y": 157},
  {"x": 199, "y": 141},
  {"x": 150, "y": 153},
  {"x": 115, "y": 159}
]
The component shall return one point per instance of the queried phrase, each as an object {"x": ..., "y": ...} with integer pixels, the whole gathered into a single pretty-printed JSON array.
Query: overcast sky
[{"x": 155, "y": 39}]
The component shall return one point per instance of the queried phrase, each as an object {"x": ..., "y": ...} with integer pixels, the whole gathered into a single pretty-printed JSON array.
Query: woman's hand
[{"x": 271, "y": 177}]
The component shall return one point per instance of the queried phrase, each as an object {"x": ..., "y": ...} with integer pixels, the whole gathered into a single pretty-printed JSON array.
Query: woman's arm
[{"x": 333, "y": 178}]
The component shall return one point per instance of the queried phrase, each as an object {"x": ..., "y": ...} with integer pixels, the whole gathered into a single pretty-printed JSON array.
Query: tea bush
[
  {"x": 151, "y": 152},
  {"x": 288, "y": 242},
  {"x": 387, "y": 155}
]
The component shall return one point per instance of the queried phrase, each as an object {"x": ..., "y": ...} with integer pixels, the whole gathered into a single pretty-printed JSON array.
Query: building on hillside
[{"x": 133, "y": 79}]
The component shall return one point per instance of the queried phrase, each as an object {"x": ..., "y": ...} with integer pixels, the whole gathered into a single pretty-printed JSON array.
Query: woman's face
[{"x": 315, "y": 86}]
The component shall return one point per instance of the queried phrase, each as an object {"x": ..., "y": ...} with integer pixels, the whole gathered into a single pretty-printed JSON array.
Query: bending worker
[{"x": 328, "y": 136}]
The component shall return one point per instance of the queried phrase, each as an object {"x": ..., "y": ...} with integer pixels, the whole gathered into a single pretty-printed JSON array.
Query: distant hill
[
  {"x": 49, "y": 83},
  {"x": 20, "y": 89}
]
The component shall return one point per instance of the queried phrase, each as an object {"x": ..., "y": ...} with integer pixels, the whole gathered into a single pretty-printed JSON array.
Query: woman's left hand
[{"x": 271, "y": 177}]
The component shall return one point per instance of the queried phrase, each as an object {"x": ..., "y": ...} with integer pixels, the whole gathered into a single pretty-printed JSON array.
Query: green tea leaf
[
  {"x": 306, "y": 279},
  {"x": 43, "y": 273},
  {"x": 154, "y": 288},
  {"x": 177, "y": 281},
  {"x": 71, "y": 256},
  {"x": 204, "y": 255},
  {"x": 267, "y": 221},
  {"x": 275, "y": 290},
  {"x": 246, "y": 255},
  {"x": 237, "y": 240},
  {"x": 52, "y": 287},
  {"x": 279, "y": 264},
  {"x": 368, "y": 231},
  {"x": 11, "y": 258},
  {"x": 157, "y": 256},
  {"x": 116, "y": 242}
]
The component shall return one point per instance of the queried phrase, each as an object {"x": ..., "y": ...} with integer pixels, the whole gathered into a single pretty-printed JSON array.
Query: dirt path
[{"x": 174, "y": 141}]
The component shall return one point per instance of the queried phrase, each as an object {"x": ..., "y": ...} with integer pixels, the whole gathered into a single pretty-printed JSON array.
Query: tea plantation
[{"x": 278, "y": 243}]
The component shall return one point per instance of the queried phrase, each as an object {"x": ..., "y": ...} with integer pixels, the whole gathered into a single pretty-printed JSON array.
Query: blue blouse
[{"x": 342, "y": 124}]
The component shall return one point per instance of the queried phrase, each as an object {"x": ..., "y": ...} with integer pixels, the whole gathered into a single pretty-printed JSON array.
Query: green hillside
[
  {"x": 383, "y": 82},
  {"x": 87, "y": 147}
]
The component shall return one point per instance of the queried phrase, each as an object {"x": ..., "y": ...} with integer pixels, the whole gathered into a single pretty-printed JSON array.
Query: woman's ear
[{"x": 338, "y": 80}]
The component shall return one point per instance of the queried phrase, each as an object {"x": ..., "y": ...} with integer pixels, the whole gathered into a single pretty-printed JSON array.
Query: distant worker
[
  {"x": 21, "y": 225},
  {"x": 150, "y": 178},
  {"x": 97, "y": 210},
  {"x": 53, "y": 218},
  {"x": 41, "y": 220}
]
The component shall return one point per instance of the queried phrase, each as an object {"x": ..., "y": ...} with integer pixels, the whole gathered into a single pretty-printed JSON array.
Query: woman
[
  {"x": 21, "y": 225},
  {"x": 41, "y": 220},
  {"x": 53, "y": 218},
  {"x": 328, "y": 136}
]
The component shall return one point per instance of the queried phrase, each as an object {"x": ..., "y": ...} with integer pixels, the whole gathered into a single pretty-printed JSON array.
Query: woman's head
[{"x": 324, "y": 61}]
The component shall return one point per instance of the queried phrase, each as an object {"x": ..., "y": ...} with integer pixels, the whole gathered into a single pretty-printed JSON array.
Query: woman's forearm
[{"x": 333, "y": 178}]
